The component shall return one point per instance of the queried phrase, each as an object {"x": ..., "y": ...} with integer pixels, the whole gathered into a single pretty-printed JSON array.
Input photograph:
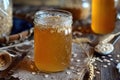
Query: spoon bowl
[{"x": 108, "y": 47}]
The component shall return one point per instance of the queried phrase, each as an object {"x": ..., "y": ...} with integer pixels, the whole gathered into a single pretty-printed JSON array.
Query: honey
[
  {"x": 52, "y": 49},
  {"x": 103, "y": 16}
]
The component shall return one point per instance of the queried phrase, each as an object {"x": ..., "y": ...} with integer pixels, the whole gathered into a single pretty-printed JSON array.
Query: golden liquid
[
  {"x": 76, "y": 12},
  {"x": 103, "y": 16},
  {"x": 52, "y": 48}
]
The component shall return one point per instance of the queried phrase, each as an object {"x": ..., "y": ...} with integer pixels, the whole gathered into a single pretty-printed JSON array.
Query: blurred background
[
  {"x": 82, "y": 7},
  {"x": 79, "y": 8}
]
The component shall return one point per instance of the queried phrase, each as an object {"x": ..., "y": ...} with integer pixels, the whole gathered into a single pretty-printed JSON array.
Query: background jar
[
  {"x": 80, "y": 9},
  {"x": 5, "y": 17}
]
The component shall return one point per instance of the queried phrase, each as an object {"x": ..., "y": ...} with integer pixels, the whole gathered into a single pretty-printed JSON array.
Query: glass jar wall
[{"x": 5, "y": 17}]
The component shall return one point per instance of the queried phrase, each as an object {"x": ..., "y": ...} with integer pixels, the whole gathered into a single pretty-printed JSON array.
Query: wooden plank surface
[
  {"x": 104, "y": 70},
  {"x": 26, "y": 69}
]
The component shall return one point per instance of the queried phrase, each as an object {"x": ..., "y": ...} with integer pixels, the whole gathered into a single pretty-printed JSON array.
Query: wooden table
[{"x": 104, "y": 66}]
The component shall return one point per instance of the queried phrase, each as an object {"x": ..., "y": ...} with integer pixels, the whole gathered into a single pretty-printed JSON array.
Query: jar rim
[
  {"x": 53, "y": 12},
  {"x": 53, "y": 17}
]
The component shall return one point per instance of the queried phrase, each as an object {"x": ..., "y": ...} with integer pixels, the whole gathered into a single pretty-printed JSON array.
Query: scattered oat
[
  {"x": 108, "y": 64},
  {"x": 72, "y": 59},
  {"x": 105, "y": 66},
  {"x": 33, "y": 73},
  {"x": 46, "y": 76},
  {"x": 95, "y": 67},
  {"x": 78, "y": 73},
  {"x": 98, "y": 72},
  {"x": 103, "y": 56},
  {"x": 118, "y": 56},
  {"x": 95, "y": 64},
  {"x": 68, "y": 72},
  {"x": 78, "y": 70},
  {"x": 111, "y": 59},
  {"x": 72, "y": 67},
  {"x": 106, "y": 60},
  {"x": 74, "y": 55},
  {"x": 29, "y": 56},
  {"x": 117, "y": 60},
  {"x": 77, "y": 60},
  {"x": 110, "y": 55}
]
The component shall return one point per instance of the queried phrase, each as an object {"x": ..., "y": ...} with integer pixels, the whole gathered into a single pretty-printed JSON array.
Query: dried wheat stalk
[{"x": 90, "y": 59}]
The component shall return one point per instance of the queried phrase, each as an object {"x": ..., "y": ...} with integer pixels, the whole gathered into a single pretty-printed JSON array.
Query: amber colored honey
[
  {"x": 76, "y": 12},
  {"x": 52, "y": 48},
  {"x": 103, "y": 16}
]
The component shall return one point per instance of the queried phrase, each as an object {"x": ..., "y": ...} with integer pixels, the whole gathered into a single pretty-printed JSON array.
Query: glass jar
[
  {"x": 80, "y": 9},
  {"x": 5, "y": 17},
  {"x": 52, "y": 40},
  {"x": 103, "y": 16}
]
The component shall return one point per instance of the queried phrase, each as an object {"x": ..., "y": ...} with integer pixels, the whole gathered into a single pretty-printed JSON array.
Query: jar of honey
[
  {"x": 52, "y": 40},
  {"x": 103, "y": 16},
  {"x": 80, "y": 9}
]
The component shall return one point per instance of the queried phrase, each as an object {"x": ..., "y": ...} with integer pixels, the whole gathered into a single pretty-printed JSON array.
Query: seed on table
[
  {"x": 98, "y": 72},
  {"x": 77, "y": 60},
  {"x": 105, "y": 60},
  {"x": 78, "y": 70},
  {"x": 95, "y": 67},
  {"x": 108, "y": 64},
  {"x": 78, "y": 73},
  {"x": 29, "y": 56},
  {"x": 105, "y": 66},
  {"x": 111, "y": 59},
  {"x": 72, "y": 59},
  {"x": 103, "y": 56},
  {"x": 71, "y": 67},
  {"x": 74, "y": 55},
  {"x": 33, "y": 73},
  {"x": 108, "y": 61},
  {"x": 68, "y": 72},
  {"x": 118, "y": 56},
  {"x": 117, "y": 60},
  {"x": 46, "y": 76},
  {"x": 110, "y": 55},
  {"x": 95, "y": 64}
]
